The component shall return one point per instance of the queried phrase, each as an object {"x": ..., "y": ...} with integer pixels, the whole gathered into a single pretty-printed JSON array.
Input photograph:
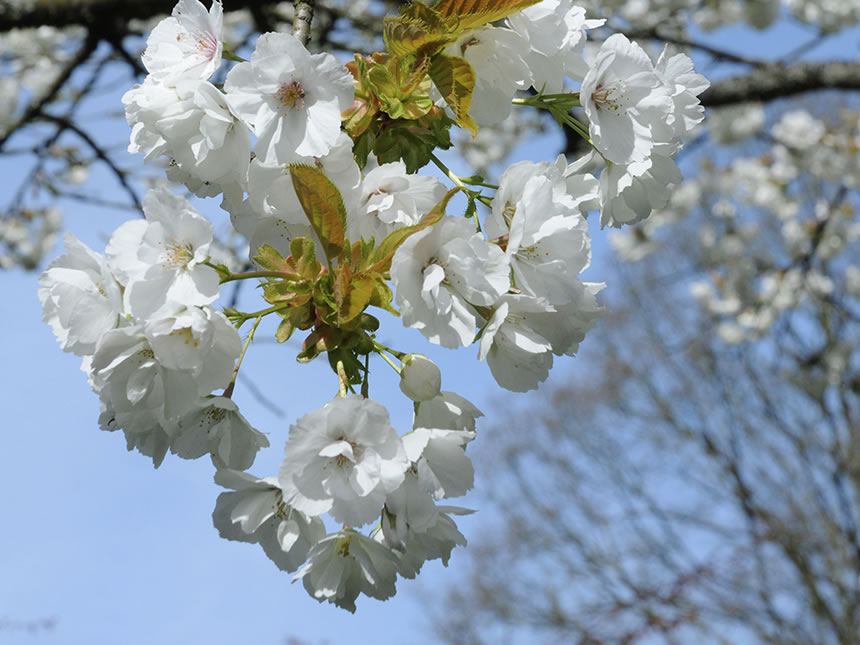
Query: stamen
[{"x": 291, "y": 95}]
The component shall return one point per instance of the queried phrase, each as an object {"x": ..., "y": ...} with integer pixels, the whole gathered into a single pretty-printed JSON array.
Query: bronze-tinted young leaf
[
  {"x": 455, "y": 80},
  {"x": 323, "y": 206},
  {"x": 269, "y": 259},
  {"x": 357, "y": 297},
  {"x": 419, "y": 29},
  {"x": 382, "y": 255},
  {"x": 469, "y": 14},
  {"x": 305, "y": 259},
  {"x": 382, "y": 296}
]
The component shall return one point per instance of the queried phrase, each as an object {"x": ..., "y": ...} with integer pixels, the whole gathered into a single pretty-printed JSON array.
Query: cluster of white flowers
[
  {"x": 766, "y": 248},
  {"x": 829, "y": 15},
  {"x": 505, "y": 277},
  {"x": 153, "y": 346}
]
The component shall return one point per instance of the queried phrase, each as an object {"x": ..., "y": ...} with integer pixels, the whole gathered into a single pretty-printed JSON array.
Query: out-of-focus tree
[{"x": 697, "y": 479}]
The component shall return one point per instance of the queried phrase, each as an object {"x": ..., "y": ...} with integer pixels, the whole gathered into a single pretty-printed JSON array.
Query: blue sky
[{"x": 115, "y": 551}]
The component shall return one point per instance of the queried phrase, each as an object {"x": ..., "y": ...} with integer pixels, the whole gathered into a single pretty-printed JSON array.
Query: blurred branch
[
  {"x": 35, "y": 107},
  {"x": 778, "y": 81},
  {"x": 715, "y": 52},
  {"x": 68, "y": 13},
  {"x": 65, "y": 124}
]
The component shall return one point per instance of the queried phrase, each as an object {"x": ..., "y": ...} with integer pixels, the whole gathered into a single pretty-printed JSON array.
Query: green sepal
[{"x": 284, "y": 330}]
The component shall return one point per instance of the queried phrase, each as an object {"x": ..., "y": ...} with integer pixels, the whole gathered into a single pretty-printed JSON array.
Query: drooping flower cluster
[
  {"x": 317, "y": 162},
  {"x": 152, "y": 344}
]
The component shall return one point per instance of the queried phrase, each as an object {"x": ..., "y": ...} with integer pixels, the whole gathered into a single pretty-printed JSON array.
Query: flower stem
[
  {"x": 248, "y": 275},
  {"x": 228, "y": 392},
  {"x": 395, "y": 367},
  {"x": 342, "y": 379},
  {"x": 384, "y": 348},
  {"x": 450, "y": 174}
]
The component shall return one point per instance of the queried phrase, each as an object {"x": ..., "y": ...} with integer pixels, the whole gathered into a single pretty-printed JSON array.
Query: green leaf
[
  {"x": 455, "y": 80},
  {"x": 357, "y": 297},
  {"x": 323, "y": 206},
  {"x": 413, "y": 141},
  {"x": 382, "y": 295},
  {"x": 284, "y": 331},
  {"x": 269, "y": 259},
  {"x": 469, "y": 14}
]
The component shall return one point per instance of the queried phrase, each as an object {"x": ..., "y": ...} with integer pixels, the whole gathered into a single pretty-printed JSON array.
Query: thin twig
[{"x": 101, "y": 154}]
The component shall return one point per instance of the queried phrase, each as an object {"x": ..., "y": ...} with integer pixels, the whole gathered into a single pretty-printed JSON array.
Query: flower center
[
  {"x": 291, "y": 95},
  {"x": 177, "y": 254},
  {"x": 214, "y": 415},
  {"x": 608, "y": 97},
  {"x": 207, "y": 44},
  {"x": 188, "y": 337}
]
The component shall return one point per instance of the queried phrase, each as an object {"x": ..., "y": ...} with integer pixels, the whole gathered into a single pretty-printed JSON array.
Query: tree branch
[
  {"x": 66, "y": 13},
  {"x": 65, "y": 124},
  {"x": 87, "y": 48},
  {"x": 778, "y": 81}
]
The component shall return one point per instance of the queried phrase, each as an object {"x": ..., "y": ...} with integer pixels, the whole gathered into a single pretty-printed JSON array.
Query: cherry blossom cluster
[
  {"x": 776, "y": 230},
  {"x": 318, "y": 164}
]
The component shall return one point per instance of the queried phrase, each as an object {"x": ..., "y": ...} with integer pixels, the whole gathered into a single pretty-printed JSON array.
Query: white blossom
[
  {"x": 345, "y": 564},
  {"x": 684, "y": 86},
  {"x": 215, "y": 426},
  {"x": 344, "y": 459},
  {"x": 192, "y": 124},
  {"x": 187, "y": 44},
  {"x": 80, "y": 297},
  {"x": 497, "y": 56},
  {"x": 409, "y": 507},
  {"x": 290, "y": 98},
  {"x": 438, "y": 272},
  {"x": 628, "y": 193},
  {"x": 434, "y": 543},
  {"x": 623, "y": 99},
  {"x": 254, "y": 511},
  {"x": 199, "y": 340},
  {"x": 440, "y": 461},
  {"x": 547, "y": 237},
  {"x": 555, "y": 31},
  {"x": 798, "y": 129},
  {"x": 390, "y": 199},
  {"x": 131, "y": 381},
  {"x": 448, "y": 411},
  {"x": 160, "y": 259}
]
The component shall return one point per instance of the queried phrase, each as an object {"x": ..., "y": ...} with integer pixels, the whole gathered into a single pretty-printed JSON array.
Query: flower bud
[{"x": 420, "y": 379}]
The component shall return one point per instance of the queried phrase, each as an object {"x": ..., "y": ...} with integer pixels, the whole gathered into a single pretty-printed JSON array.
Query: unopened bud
[{"x": 420, "y": 379}]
